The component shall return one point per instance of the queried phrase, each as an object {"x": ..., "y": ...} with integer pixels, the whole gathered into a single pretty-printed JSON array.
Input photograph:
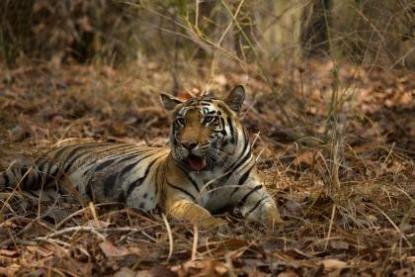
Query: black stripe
[
  {"x": 121, "y": 197},
  {"x": 129, "y": 167},
  {"x": 105, "y": 164},
  {"x": 139, "y": 181},
  {"x": 87, "y": 170},
  {"x": 56, "y": 173},
  {"x": 55, "y": 170},
  {"x": 174, "y": 140},
  {"x": 243, "y": 179},
  {"x": 42, "y": 163},
  {"x": 47, "y": 180},
  {"x": 245, "y": 175},
  {"x": 88, "y": 191},
  {"x": 46, "y": 157},
  {"x": 46, "y": 174},
  {"x": 70, "y": 161},
  {"x": 6, "y": 179},
  {"x": 109, "y": 183},
  {"x": 32, "y": 179},
  {"x": 73, "y": 156},
  {"x": 255, "y": 207},
  {"x": 25, "y": 185},
  {"x": 112, "y": 149},
  {"x": 46, "y": 162},
  {"x": 57, "y": 155},
  {"x": 231, "y": 129},
  {"x": 109, "y": 155},
  {"x": 182, "y": 190},
  {"x": 129, "y": 157},
  {"x": 29, "y": 181},
  {"x": 243, "y": 200},
  {"x": 192, "y": 181},
  {"x": 157, "y": 184},
  {"x": 223, "y": 131},
  {"x": 242, "y": 159}
]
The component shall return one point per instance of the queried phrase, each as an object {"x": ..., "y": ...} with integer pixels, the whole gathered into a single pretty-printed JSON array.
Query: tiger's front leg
[
  {"x": 257, "y": 205},
  {"x": 186, "y": 209}
]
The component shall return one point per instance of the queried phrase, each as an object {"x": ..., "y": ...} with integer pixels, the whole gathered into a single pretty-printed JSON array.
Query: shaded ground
[{"x": 343, "y": 174}]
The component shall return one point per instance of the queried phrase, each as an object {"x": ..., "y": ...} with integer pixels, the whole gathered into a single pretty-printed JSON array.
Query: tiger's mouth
[{"x": 196, "y": 163}]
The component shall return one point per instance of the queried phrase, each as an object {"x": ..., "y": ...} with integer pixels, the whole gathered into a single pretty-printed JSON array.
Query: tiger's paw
[
  {"x": 272, "y": 218},
  {"x": 212, "y": 223}
]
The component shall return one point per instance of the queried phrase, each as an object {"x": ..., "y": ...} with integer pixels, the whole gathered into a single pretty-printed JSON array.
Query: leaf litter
[{"x": 365, "y": 227}]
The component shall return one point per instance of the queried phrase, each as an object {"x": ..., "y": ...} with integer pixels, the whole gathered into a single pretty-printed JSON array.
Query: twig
[
  {"x": 393, "y": 224},
  {"x": 333, "y": 212},
  {"x": 170, "y": 235},
  {"x": 195, "y": 242},
  {"x": 75, "y": 229}
]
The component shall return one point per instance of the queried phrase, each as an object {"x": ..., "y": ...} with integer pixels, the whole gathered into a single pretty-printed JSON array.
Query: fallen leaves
[
  {"x": 201, "y": 268},
  {"x": 306, "y": 158},
  {"x": 333, "y": 264},
  {"x": 339, "y": 244},
  {"x": 10, "y": 270},
  {"x": 112, "y": 251},
  {"x": 43, "y": 105},
  {"x": 157, "y": 271}
]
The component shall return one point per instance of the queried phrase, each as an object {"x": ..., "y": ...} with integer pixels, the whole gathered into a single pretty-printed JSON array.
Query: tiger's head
[{"x": 205, "y": 130}]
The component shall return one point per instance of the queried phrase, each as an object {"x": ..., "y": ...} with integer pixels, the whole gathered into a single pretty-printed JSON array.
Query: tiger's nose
[{"x": 190, "y": 144}]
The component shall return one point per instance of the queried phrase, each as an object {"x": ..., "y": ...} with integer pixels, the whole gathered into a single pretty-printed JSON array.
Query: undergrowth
[{"x": 345, "y": 192}]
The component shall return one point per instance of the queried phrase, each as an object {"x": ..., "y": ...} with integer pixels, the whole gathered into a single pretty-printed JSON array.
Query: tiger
[{"x": 208, "y": 166}]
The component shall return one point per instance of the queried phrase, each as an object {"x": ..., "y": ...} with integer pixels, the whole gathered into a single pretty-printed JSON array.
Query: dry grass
[{"x": 344, "y": 183}]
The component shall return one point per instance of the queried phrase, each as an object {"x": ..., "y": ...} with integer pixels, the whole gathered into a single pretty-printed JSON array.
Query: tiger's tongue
[{"x": 196, "y": 163}]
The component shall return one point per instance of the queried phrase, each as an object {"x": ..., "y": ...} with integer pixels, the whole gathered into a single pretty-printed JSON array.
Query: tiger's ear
[
  {"x": 169, "y": 102},
  {"x": 236, "y": 98}
]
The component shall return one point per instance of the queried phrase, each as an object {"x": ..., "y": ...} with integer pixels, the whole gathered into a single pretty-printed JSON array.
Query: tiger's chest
[{"x": 214, "y": 189}]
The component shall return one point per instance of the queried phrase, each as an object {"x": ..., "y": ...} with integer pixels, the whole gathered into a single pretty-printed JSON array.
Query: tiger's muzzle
[{"x": 196, "y": 156}]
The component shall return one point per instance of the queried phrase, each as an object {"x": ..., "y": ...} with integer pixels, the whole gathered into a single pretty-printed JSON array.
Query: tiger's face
[{"x": 204, "y": 129}]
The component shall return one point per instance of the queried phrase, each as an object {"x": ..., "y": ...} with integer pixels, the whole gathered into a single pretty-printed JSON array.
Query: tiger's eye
[
  {"x": 180, "y": 121},
  {"x": 209, "y": 119}
]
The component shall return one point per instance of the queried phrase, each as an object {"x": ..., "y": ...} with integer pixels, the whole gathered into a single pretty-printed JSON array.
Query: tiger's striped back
[{"x": 102, "y": 172}]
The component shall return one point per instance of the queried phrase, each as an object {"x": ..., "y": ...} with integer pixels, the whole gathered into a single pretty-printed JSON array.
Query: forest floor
[{"x": 340, "y": 165}]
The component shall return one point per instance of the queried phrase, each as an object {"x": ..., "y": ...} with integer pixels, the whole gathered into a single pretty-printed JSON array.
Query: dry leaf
[
  {"x": 404, "y": 272},
  {"x": 9, "y": 253},
  {"x": 161, "y": 271},
  {"x": 119, "y": 128},
  {"x": 306, "y": 157},
  {"x": 220, "y": 79},
  {"x": 126, "y": 272},
  {"x": 332, "y": 264},
  {"x": 39, "y": 251},
  {"x": 339, "y": 245},
  {"x": 10, "y": 270},
  {"x": 288, "y": 274},
  {"x": 293, "y": 207},
  {"x": 110, "y": 250}
]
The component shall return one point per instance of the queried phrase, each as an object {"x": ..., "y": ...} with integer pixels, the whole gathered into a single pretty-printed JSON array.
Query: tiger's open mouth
[{"x": 195, "y": 162}]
